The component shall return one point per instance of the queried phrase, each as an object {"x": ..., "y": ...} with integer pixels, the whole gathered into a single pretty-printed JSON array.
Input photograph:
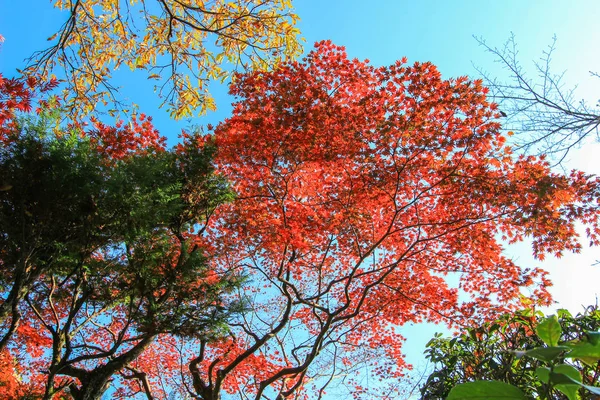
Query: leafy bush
[{"x": 519, "y": 356}]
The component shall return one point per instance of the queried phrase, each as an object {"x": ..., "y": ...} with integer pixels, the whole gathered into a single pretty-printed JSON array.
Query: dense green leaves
[
  {"x": 485, "y": 390},
  {"x": 559, "y": 361}
]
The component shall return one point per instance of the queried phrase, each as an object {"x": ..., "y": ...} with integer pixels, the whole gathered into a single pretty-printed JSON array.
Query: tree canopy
[
  {"x": 362, "y": 188},
  {"x": 281, "y": 252}
]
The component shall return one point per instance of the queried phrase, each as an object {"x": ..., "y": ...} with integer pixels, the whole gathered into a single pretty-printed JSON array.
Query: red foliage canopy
[
  {"x": 359, "y": 190},
  {"x": 17, "y": 96}
]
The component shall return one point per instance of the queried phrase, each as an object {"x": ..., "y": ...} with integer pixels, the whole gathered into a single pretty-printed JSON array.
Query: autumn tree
[
  {"x": 100, "y": 254},
  {"x": 359, "y": 190},
  {"x": 182, "y": 45},
  {"x": 545, "y": 115}
]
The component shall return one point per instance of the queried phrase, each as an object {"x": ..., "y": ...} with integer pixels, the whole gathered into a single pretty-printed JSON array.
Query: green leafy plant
[{"x": 519, "y": 356}]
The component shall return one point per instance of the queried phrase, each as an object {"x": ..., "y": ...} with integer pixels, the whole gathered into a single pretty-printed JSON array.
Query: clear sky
[{"x": 384, "y": 31}]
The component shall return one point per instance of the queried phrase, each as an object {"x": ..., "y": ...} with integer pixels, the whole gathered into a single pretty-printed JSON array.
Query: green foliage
[
  {"x": 485, "y": 390},
  {"x": 122, "y": 229},
  {"x": 552, "y": 357},
  {"x": 47, "y": 211},
  {"x": 549, "y": 331}
]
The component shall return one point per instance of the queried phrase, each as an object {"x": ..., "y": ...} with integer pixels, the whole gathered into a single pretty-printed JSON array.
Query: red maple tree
[{"x": 359, "y": 191}]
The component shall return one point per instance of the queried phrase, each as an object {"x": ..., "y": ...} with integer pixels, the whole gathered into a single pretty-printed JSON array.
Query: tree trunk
[{"x": 97, "y": 381}]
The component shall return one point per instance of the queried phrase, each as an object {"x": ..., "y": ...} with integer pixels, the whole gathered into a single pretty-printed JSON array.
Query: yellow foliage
[{"x": 171, "y": 41}]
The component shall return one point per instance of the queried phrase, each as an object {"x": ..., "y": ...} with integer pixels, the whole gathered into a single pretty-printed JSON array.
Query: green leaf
[
  {"x": 584, "y": 351},
  {"x": 570, "y": 390},
  {"x": 549, "y": 330},
  {"x": 493, "y": 328},
  {"x": 568, "y": 370},
  {"x": 543, "y": 374},
  {"x": 528, "y": 312},
  {"x": 547, "y": 354},
  {"x": 563, "y": 312},
  {"x": 482, "y": 390},
  {"x": 562, "y": 379},
  {"x": 593, "y": 337}
]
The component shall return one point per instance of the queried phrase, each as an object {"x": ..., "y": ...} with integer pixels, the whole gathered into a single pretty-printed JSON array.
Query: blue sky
[{"x": 384, "y": 31}]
